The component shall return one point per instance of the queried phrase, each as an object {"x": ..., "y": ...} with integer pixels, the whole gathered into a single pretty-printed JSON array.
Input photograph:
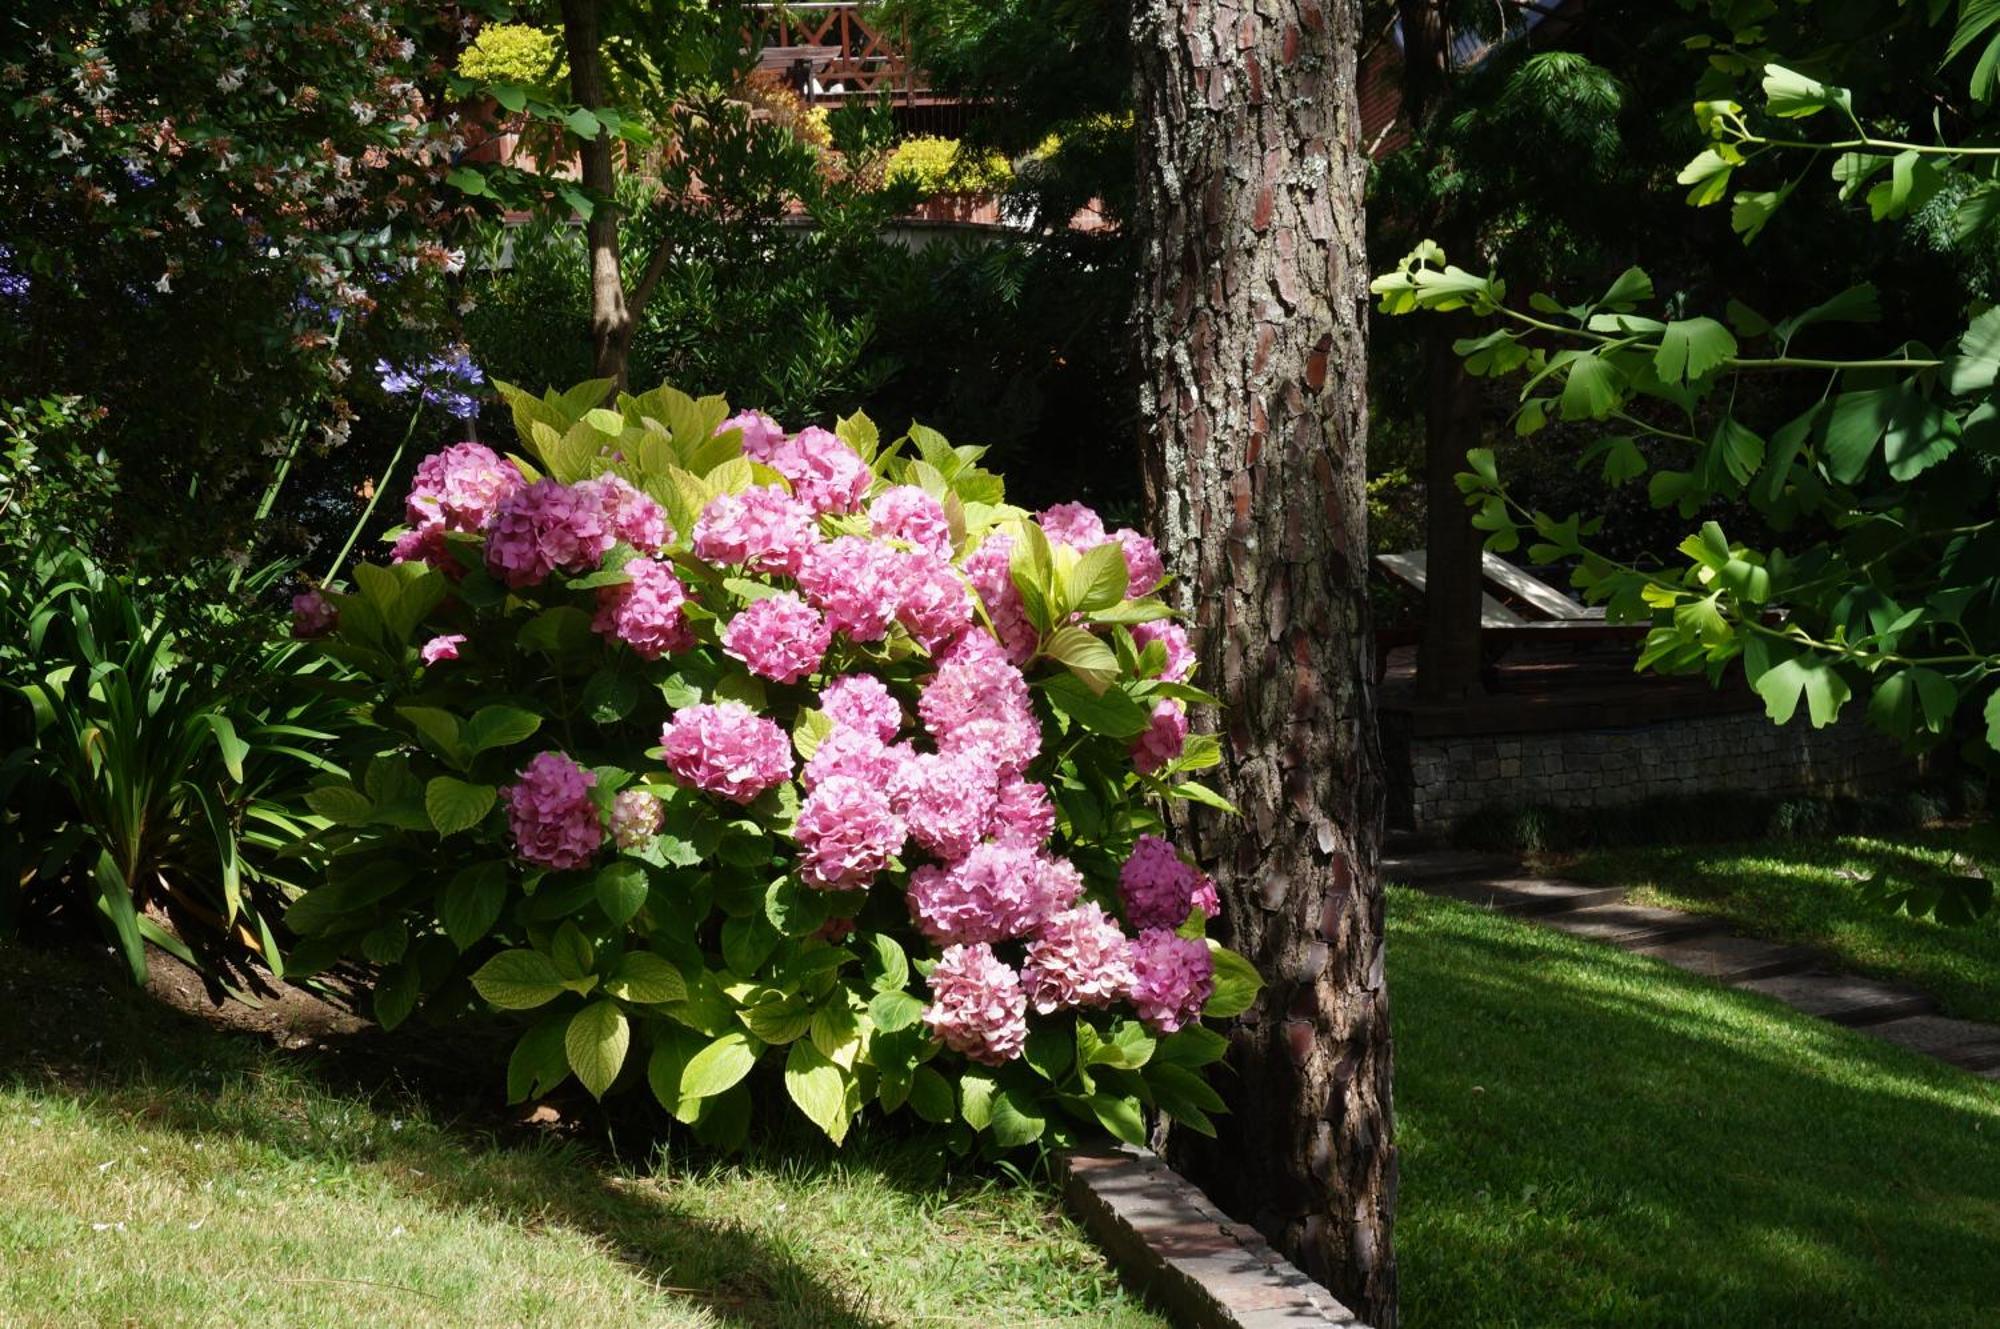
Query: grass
[
  {"x": 1809, "y": 891},
  {"x": 1590, "y": 1138},
  {"x": 159, "y": 1172}
]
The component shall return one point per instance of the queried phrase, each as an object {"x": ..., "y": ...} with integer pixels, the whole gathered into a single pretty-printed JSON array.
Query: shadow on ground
[
  {"x": 76, "y": 1030},
  {"x": 1591, "y": 1138}
]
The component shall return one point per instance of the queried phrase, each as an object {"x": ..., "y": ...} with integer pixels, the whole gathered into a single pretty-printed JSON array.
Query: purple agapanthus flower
[
  {"x": 449, "y": 381},
  {"x": 13, "y": 281}
]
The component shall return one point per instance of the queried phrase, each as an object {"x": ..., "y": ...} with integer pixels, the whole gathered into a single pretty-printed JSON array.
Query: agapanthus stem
[{"x": 376, "y": 497}]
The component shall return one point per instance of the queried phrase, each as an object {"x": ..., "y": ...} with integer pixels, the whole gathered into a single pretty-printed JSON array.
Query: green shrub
[{"x": 596, "y": 676}]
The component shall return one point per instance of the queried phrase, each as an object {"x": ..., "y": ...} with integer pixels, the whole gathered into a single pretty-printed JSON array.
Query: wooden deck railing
[{"x": 834, "y": 53}]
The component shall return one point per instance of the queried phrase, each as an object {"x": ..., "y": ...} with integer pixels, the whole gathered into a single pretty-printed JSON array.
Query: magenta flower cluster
[
  {"x": 1159, "y": 888},
  {"x": 645, "y": 612},
  {"x": 551, "y": 814},
  {"x": 727, "y": 749}
]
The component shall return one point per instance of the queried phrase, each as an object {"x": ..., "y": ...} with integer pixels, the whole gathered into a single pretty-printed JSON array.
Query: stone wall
[{"x": 1436, "y": 779}]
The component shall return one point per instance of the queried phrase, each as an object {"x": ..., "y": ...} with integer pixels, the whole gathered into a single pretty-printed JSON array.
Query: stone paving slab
[
  {"x": 1729, "y": 959},
  {"x": 1841, "y": 998},
  {"x": 1173, "y": 1245},
  {"x": 1527, "y": 895},
  {"x": 1629, "y": 925},
  {"x": 1963, "y": 1043}
]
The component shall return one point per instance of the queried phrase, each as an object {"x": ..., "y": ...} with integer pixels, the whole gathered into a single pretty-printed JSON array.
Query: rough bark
[
  {"x": 1251, "y": 333},
  {"x": 611, "y": 322}
]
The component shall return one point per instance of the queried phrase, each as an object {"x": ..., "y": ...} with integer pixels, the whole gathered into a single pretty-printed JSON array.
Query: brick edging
[{"x": 1169, "y": 1242}]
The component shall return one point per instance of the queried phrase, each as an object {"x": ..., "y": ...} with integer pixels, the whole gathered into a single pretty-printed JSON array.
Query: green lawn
[
  {"x": 1594, "y": 1139},
  {"x": 156, "y": 1172},
  {"x": 1809, "y": 891}
]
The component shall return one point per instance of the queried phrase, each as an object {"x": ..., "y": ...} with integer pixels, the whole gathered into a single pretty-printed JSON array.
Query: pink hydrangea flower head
[
  {"x": 908, "y": 513},
  {"x": 1059, "y": 882},
  {"x": 646, "y": 612},
  {"x": 460, "y": 488},
  {"x": 995, "y": 893},
  {"x": 545, "y": 527},
  {"x": 978, "y": 699},
  {"x": 1159, "y": 888},
  {"x": 1023, "y": 814},
  {"x": 863, "y": 702},
  {"x": 762, "y": 529},
  {"x": 313, "y": 615},
  {"x": 1079, "y": 958},
  {"x": 1172, "y": 979},
  {"x": 635, "y": 818},
  {"x": 932, "y": 602},
  {"x": 847, "y": 832},
  {"x": 1144, "y": 569},
  {"x": 1073, "y": 524},
  {"x": 762, "y": 436},
  {"x": 725, "y": 748},
  {"x": 826, "y": 474},
  {"x": 631, "y": 515},
  {"x": 947, "y": 800},
  {"x": 550, "y": 812},
  {"x": 858, "y": 753},
  {"x": 779, "y": 637},
  {"x": 977, "y": 1005},
  {"x": 856, "y": 583},
  {"x": 444, "y": 646},
  {"x": 1163, "y": 740},
  {"x": 989, "y": 569},
  {"x": 425, "y": 544},
  {"x": 1173, "y": 640}
]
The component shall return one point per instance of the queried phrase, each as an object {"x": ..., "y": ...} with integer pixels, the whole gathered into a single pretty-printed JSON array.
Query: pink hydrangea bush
[{"x": 786, "y": 742}]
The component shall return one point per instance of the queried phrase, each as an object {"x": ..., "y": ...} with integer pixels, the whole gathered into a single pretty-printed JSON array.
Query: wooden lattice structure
[{"x": 830, "y": 53}]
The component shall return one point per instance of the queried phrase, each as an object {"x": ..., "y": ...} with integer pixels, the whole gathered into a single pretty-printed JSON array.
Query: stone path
[{"x": 1699, "y": 945}]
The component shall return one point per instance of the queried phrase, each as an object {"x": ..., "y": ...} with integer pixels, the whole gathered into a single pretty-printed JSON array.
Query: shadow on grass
[
  {"x": 1590, "y": 1138},
  {"x": 84, "y": 1035}
]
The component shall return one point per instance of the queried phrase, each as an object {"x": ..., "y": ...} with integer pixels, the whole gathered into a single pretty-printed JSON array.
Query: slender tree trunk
[
  {"x": 1448, "y": 658},
  {"x": 610, "y": 320},
  {"x": 1252, "y": 340}
]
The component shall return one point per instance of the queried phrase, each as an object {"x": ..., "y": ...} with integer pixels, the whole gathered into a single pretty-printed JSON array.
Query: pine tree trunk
[
  {"x": 1251, "y": 333},
  {"x": 610, "y": 321}
]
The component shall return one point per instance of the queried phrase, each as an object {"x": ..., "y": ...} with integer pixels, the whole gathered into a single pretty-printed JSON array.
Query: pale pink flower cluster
[
  {"x": 948, "y": 799},
  {"x": 862, "y": 701},
  {"x": 1159, "y": 888},
  {"x": 856, "y": 582},
  {"x": 1074, "y": 524},
  {"x": 1144, "y": 568},
  {"x": 995, "y": 893},
  {"x": 762, "y": 435},
  {"x": 977, "y": 1005},
  {"x": 635, "y": 818},
  {"x": 858, "y": 753},
  {"x": 1164, "y": 739},
  {"x": 906, "y": 512},
  {"x": 847, "y": 832},
  {"x": 932, "y": 602},
  {"x": 442, "y": 647},
  {"x": 1079, "y": 958},
  {"x": 779, "y": 637},
  {"x": 978, "y": 699},
  {"x": 762, "y": 529},
  {"x": 1023, "y": 814},
  {"x": 549, "y": 810},
  {"x": 460, "y": 488},
  {"x": 548, "y": 527},
  {"x": 1173, "y": 640},
  {"x": 1172, "y": 978},
  {"x": 646, "y": 612},
  {"x": 630, "y": 515},
  {"x": 826, "y": 474},
  {"x": 725, "y": 748},
  {"x": 989, "y": 569},
  {"x": 313, "y": 615}
]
